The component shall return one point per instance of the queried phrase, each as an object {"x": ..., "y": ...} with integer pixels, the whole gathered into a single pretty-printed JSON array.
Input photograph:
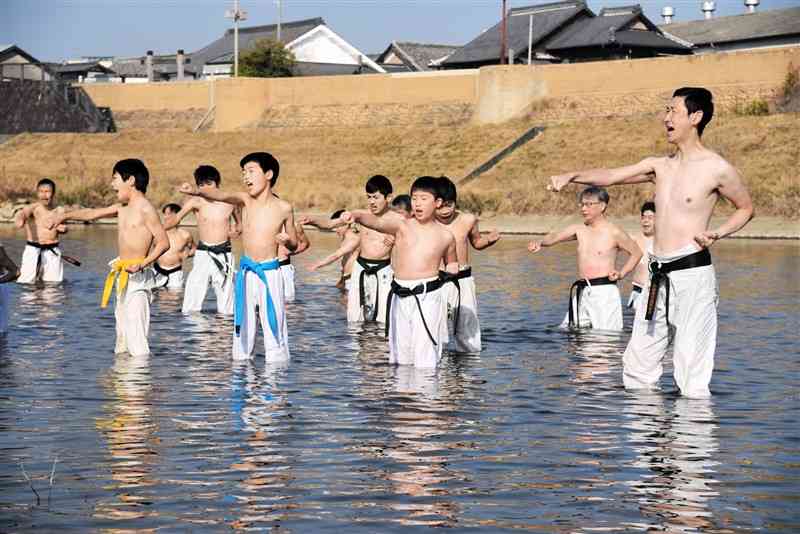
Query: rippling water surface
[{"x": 535, "y": 433}]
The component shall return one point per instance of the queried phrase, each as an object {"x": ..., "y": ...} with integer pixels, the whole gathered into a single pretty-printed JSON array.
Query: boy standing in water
[
  {"x": 259, "y": 283},
  {"x": 417, "y": 321},
  {"x": 349, "y": 239},
  {"x": 645, "y": 241},
  {"x": 142, "y": 240},
  {"x": 41, "y": 257},
  {"x": 168, "y": 269},
  {"x": 213, "y": 260},
  {"x": 464, "y": 329},
  {"x": 287, "y": 269},
  {"x": 597, "y": 301},
  {"x": 683, "y": 283}
]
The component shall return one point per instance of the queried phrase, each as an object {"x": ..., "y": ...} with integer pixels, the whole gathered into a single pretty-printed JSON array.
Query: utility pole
[
  {"x": 280, "y": 16},
  {"x": 503, "y": 37},
  {"x": 236, "y": 14}
]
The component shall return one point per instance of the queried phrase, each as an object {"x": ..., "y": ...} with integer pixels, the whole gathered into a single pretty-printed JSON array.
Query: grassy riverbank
[{"x": 323, "y": 169}]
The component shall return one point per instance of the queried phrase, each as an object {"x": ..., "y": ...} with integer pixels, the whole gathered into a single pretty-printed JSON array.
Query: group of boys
[{"x": 407, "y": 263}]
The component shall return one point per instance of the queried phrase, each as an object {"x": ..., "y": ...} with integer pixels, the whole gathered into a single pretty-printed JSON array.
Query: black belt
[
  {"x": 637, "y": 289},
  {"x": 222, "y": 248},
  {"x": 50, "y": 246},
  {"x": 404, "y": 292},
  {"x": 166, "y": 272},
  {"x": 578, "y": 287},
  {"x": 454, "y": 278},
  {"x": 659, "y": 272},
  {"x": 370, "y": 268},
  {"x": 287, "y": 261}
]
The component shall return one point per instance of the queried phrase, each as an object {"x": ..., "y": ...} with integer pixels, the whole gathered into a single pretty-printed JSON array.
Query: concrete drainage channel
[{"x": 500, "y": 156}]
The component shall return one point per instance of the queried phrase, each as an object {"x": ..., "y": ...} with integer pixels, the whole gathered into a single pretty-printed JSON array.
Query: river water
[{"x": 536, "y": 433}]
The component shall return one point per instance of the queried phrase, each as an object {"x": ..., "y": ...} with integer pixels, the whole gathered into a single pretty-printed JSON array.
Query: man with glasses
[{"x": 594, "y": 299}]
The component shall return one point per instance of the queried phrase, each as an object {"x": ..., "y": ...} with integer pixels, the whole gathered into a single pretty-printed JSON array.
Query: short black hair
[
  {"x": 47, "y": 181},
  {"x": 136, "y": 168},
  {"x": 379, "y": 184},
  {"x": 648, "y": 206},
  {"x": 207, "y": 173},
  {"x": 174, "y": 208},
  {"x": 336, "y": 214},
  {"x": 266, "y": 161},
  {"x": 697, "y": 99},
  {"x": 403, "y": 202},
  {"x": 448, "y": 192},
  {"x": 594, "y": 191},
  {"x": 428, "y": 184}
]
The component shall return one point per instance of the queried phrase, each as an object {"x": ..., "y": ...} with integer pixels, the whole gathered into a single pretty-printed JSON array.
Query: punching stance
[
  {"x": 259, "y": 283},
  {"x": 645, "y": 241},
  {"x": 464, "y": 329},
  {"x": 41, "y": 259},
  {"x": 347, "y": 252},
  {"x": 594, "y": 299},
  {"x": 682, "y": 290},
  {"x": 142, "y": 240},
  {"x": 213, "y": 259},
  {"x": 168, "y": 269},
  {"x": 417, "y": 320}
]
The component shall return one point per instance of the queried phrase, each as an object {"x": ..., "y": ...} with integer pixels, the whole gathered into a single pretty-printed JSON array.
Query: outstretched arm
[
  {"x": 84, "y": 214},
  {"x": 187, "y": 208},
  {"x": 731, "y": 187},
  {"x": 626, "y": 243},
  {"x": 212, "y": 193},
  {"x": 480, "y": 242},
  {"x": 303, "y": 243},
  {"x": 638, "y": 173},
  {"x": 320, "y": 222},
  {"x": 22, "y": 215},
  {"x": 350, "y": 244},
  {"x": 384, "y": 225},
  {"x": 553, "y": 238}
]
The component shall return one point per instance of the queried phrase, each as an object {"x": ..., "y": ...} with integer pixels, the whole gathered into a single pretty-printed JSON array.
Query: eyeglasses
[{"x": 588, "y": 204}]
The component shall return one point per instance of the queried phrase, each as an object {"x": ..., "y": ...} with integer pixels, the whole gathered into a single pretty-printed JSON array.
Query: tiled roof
[
  {"x": 223, "y": 47},
  {"x": 547, "y": 18},
  {"x": 418, "y": 56},
  {"x": 136, "y": 67},
  {"x": 762, "y": 24}
]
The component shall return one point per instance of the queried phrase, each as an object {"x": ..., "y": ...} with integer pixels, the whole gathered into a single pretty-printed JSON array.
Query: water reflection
[
  {"x": 129, "y": 431},
  {"x": 674, "y": 442}
]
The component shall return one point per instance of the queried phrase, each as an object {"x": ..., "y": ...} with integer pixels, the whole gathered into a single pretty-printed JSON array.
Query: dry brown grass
[{"x": 325, "y": 168}]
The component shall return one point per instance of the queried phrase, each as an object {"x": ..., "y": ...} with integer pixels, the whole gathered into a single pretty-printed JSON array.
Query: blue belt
[{"x": 246, "y": 264}]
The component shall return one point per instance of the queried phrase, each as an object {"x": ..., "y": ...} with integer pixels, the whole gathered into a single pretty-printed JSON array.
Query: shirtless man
[
  {"x": 372, "y": 272},
  {"x": 645, "y": 241},
  {"x": 168, "y": 269},
  {"x": 417, "y": 321},
  {"x": 464, "y": 329},
  {"x": 259, "y": 283},
  {"x": 41, "y": 258},
  {"x": 596, "y": 302},
  {"x": 347, "y": 251},
  {"x": 213, "y": 259},
  {"x": 688, "y": 185},
  {"x": 142, "y": 240}
]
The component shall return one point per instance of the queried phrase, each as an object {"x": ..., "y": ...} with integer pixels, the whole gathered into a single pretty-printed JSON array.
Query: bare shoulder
[{"x": 467, "y": 219}]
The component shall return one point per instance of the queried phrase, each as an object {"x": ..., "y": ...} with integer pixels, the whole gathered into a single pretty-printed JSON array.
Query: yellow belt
[{"x": 117, "y": 272}]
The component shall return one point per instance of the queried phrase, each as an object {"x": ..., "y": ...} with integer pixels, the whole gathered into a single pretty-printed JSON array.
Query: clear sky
[{"x": 54, "y": 30}]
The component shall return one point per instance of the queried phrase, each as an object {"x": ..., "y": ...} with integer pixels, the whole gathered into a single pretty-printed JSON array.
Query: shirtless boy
[
  {"x": 259, "y": 283},
  {"x": 596, "y": 301},
  {"x": 347, "y": 251},
  {"x": 688, "y": 185},
  {"x": 168, "y": 269},
  {"x": 41, "y": 258},
  {"x": 142, "y": 240},
  {"x": 285, "y": 257},
  {"x": 645, "y": 241},
  {"x": 462, "y": 306},
  {"x": 402, "y": 204},
  {"x": 8, "y": 273},
  {"x": 417, "y": 322},
  {"x": 372, "y": 271},
  {"x": 213, "y": 259}
]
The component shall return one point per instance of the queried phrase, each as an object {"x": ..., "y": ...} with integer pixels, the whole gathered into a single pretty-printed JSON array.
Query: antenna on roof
[{"x": 236, "y": 14}]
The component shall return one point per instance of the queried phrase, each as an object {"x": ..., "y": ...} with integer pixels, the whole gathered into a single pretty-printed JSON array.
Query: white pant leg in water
[
  {"x": 385, "y": 277},
  {"x": 132, "y": 313},
  {"x": 5, "y": 307},
  {"x": 409, "y": 342},
  {"x": 643, "y": 358},
  {"x": 197, "y": 282},
  {"x": 468, "y": 330},
  {"x": 52, "y": 266},
  {"x": 175, "y": 280},
  {"x": 255, "y": 296},
  {"x": 288, "y": 272},
  {"x": 27, "y": 267},
  {"x": 223, "y": 285},
  {"x": 355, "y": 314},
  {"x": 604, "y": 306}
]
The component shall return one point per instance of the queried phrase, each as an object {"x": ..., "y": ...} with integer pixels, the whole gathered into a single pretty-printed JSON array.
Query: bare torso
[
  {"x": 640, "y": 274},
  {"x": 420, "y": 249},
  {"x": 374, "y": 245},
  {"x": 686, "y": 193},
  {"x": 460, "y": 227},
  {"x": 133, "y": 236},
  {"x": 37, "y": 228},
  {"x": 262, "y": 220},
  {"x": 213, "y": 220},
  {"x": 178, "y": 240},
  {"x": 597, "y": 249}
]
